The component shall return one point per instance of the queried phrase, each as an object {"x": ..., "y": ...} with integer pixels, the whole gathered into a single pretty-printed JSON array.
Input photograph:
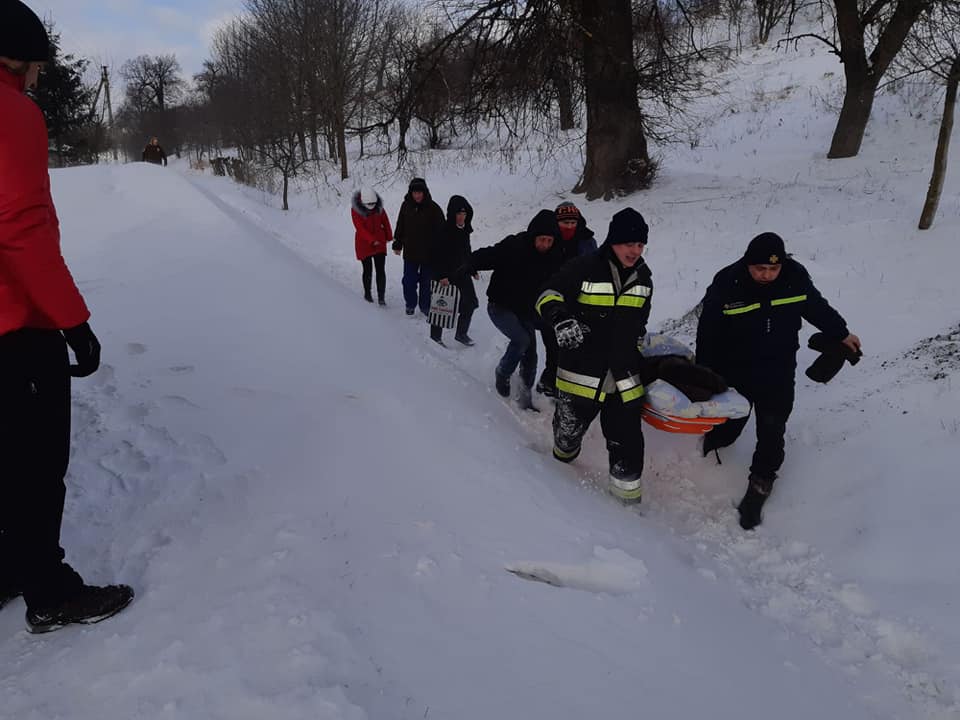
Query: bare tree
[
  {"x": 769, "y": 14},
  {"x": 933, "y": 51},
  {"x": 884, "y": 24},
  {"x": 153, "y": 82}
]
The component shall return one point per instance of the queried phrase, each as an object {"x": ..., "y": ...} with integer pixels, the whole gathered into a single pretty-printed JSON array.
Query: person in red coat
[
  {"x": 373, "y": 236},
  {"x": 41, "y": 314}
]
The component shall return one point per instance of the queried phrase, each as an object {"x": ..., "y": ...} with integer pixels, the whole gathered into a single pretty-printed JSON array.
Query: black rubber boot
[{"x": 751, "y": 506}]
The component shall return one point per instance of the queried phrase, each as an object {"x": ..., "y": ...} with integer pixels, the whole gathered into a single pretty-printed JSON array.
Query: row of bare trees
[
  {"x": 293, "y": 80},
  {"x": 292, "y": 83}
]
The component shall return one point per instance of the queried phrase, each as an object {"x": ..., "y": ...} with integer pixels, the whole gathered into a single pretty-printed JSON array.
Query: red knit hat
[{"x": 567, "y": 211}]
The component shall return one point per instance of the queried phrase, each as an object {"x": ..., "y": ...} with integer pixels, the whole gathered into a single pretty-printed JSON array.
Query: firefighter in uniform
[
  {"x": 598, "y": 304},
  {"x": 749, "y": 333}
]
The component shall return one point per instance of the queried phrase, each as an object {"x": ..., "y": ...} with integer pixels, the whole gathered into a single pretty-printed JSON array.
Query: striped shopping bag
[{"x": 444, "y": 303}]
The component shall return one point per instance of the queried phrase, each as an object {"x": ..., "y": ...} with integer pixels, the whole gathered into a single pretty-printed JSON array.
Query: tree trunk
[
  {"x": 854, "y": 116},
  {"x": 302, "y": 136},
  {"x": 564, "y": 89},
  {"x": 342, "y": 146},
  {"x": 286, "y": 185},
  {"x": 617, "y": 162},
  {"x": 863, "y": 74},
  {"x": 404, "y": 122},
  {"x": 943, "y": 147}
]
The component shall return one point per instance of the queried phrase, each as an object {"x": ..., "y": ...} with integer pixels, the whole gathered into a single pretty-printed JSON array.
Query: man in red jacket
[{"x": 41, "y": 314}]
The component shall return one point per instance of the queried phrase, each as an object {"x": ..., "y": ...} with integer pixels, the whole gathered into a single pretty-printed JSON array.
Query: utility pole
[
  {"x": 104, "y": 87},
  {"x": 105, "y": 81}
]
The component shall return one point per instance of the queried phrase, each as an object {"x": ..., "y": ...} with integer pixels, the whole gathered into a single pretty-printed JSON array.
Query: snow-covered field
[{"x": 318, "y": 507}]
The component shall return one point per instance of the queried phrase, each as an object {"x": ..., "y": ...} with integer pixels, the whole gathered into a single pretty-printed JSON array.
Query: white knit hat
[{"x": 368, "y": 196}]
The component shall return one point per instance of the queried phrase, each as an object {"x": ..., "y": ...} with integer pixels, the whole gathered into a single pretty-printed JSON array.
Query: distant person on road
[
  {"x": 749, "y": 333},
  {"x": 41, "y": 314},
  {"x": 373, "y": 235},
  {"x": 153, "y": 153}
]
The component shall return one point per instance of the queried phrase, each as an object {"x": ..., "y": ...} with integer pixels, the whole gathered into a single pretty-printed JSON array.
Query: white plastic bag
[
  {"x": 657, "y": 344},
  {"x": 729, "y": 404},
  {"x": 665, "y": 398}
]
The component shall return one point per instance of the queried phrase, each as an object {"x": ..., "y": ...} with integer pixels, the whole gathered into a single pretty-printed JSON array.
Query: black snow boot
[
  {"x": 381, "y": 301},
  {"x": 436, "y": 334},
  {"x": 503, "y": 385},
  {"x": 751, "y": 506},
  {"x": 367, "y": 296},
  {"x": 90, "y": 604}
]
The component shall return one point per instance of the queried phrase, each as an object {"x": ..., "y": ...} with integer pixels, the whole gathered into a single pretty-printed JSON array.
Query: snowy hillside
[{"x": 318, "y": 507}]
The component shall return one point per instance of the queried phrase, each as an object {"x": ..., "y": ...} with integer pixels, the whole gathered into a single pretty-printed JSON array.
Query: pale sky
[{"x": 112, "y": 31}]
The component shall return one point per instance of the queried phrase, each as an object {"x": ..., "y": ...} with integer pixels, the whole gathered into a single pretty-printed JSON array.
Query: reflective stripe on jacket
[{"x": 749, "y": 332}]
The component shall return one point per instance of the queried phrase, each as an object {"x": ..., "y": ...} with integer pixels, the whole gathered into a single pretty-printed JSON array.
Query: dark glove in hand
[
  {"x": 86, "y": 348},
  {"x": 833, "y": 354}
]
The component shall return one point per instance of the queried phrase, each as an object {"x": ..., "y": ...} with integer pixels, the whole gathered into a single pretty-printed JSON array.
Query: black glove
[
  {"x": 397, "y": 246},
  {"x": 833, "y": 354},
  {"x": 825, "y": 345},
  {"x": 86, "y": 348}
]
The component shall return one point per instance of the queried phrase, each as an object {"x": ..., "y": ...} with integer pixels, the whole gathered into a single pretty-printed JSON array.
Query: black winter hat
[
  {"x": 22, "y": 34},
  {"x": 765, "y": 249},
  {"x": 627, "y": 226},
  {"x": 418, "y": 184},
  {"x": 544, "y": 223}
]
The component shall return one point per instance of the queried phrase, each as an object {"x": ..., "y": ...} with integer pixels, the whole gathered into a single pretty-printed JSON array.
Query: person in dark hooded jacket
[
  {"x": 576, "y": 239},
  {"x": 418, "y": 223},
  {"x": 749, "y": 333},
  {"x": 449, "y": 254},
  {"x": 521, "y": 263}
]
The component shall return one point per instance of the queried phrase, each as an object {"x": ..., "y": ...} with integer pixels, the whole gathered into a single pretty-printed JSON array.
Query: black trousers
[
  {"x": 34, "y": 453},
  {"x": 621, "y": 427},
  {"x": 368, "y": 264},
  {"x": 772, "y": 414}
]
